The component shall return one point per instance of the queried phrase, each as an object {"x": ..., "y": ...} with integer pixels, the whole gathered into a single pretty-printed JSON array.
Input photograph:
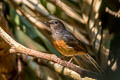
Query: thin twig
[
  {"x": 116, "y": 14},
  {"x": 89, "y": 17},
  {"x": 61, "y": 69},
  {"x": 68, "y": 10}
]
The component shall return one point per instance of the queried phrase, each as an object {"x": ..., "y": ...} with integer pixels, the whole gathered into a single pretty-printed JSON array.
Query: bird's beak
[{"x": 47, "y": 23}]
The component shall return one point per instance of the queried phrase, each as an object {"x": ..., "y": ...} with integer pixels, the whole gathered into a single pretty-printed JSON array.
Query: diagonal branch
[{"x": 18, "y": 48}]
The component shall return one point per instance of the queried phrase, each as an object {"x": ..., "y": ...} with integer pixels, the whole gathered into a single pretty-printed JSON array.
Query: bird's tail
[
  {"x": 94, "y": 63},
  {"x": 86, "y": 58}
]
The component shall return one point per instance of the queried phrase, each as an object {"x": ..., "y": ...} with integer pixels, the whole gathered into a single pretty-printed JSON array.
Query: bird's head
[{"x": 55, "y": 25}]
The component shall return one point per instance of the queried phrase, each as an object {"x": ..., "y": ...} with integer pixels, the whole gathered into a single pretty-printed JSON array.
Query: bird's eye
[{"x": 56, "y": 22}]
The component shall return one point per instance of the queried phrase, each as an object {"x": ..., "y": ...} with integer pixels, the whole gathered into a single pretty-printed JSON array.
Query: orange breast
[{"x": 66, "y": 50}]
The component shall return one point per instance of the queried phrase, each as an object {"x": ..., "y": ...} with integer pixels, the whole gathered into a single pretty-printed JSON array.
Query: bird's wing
[{"x": 72, "y": 41}]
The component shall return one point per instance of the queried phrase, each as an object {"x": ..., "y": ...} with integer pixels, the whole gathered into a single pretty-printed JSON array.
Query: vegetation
[{"x": 94, "y": 22}]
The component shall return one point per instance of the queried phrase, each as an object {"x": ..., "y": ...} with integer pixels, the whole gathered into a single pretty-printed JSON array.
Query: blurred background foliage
[{"x": 88, "y": 20}]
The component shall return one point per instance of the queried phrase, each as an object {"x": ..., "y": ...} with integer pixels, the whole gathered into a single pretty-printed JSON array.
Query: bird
[{"x": 65, "y": 42}]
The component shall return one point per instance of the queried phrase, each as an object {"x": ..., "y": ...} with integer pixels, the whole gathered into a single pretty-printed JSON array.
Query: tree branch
[{"x": 18, "y": 48}]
